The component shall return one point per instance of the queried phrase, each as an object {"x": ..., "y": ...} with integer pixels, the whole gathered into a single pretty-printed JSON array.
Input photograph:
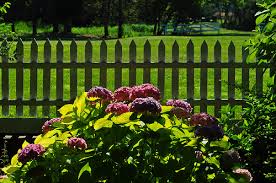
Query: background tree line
[{"x": 64, "y": 14}]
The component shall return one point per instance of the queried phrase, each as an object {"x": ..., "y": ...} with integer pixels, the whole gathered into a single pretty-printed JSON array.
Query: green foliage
[{"x": 131, "y": 147}]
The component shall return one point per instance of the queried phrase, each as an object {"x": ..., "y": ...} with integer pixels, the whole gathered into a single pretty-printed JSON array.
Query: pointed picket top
[
  {"x": 175, "y": 52},
  {"x": 59, "y": 52},
  {"x": 34, "y": 51},
  {"x": 132, "y": 51},
  {"x": 190, "y": 51},
  {"x": 103, "y": 52},
  {"x": 73, "y": 51},
  {"x": 47, "y": 51},
  {"x": 147, "y": 52},
  {"x": 118, "y": 52},
  {"x": 161, "y": 51},
  {"x": 217, "y": 52},
  {"x": 245, "y": 53},
  {"x": 231, "y": 52},
  {"x": 20, "y": 50},
  {"x": 88, "y": 51},
  {"x": 204, "y": 52}
]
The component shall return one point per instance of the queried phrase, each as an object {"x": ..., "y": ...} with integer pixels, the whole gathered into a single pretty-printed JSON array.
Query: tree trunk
[
  {"x": 68, "y": 27},
  {"x": 120, "y": 20},
  {"x": 106, "y": 14},
  {"x": 55, "y": 28}
]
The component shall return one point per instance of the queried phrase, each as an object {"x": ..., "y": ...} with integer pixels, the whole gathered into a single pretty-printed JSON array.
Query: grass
[{"x": 168, "y": 40}]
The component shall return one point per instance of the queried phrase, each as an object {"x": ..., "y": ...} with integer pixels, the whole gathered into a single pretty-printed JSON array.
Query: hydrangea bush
[{"x": 127, "y": 136}]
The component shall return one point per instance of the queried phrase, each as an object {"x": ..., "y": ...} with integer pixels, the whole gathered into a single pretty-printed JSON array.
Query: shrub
[{"x": 95, "y": 143}]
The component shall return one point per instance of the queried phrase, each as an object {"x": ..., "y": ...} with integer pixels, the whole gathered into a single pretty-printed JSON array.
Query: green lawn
[{"x": 168, "y": 40}]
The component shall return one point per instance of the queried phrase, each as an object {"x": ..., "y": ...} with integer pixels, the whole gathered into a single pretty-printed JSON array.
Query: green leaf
[
  {"x": 155, "y": 126},
  {"x": 14, "y": 159},
  {"x": 223, "y": 143},
  {"x": 85, "y": 168},
  {"x": 122, "y": 119},
  {"x": 168, "y": 122},
  {"x": 166, "y": 109},
  {"x": 10, "y": 169},
  {"x": 25, "y": 143},
  {"x": 261, "y": 18},
  {"x": 80, "y": 103},
  {"x": 102, "y": 123},
  {"x": 66, "y": 109}
]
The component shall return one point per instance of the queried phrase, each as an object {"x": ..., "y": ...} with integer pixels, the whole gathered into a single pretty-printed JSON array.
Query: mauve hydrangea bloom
[
  {"x": 181, "y": 108},
  {"x": 30, "y": 152},
  {"x": 48, "y": 124},
  {"x": 245, "y": 173},
  {"x": 117, "y": 108},
  {"x": 199, "y": 155},
  {"x": 213, "y": 132},
  {"x": 202, "y": 119},
  {"x": 77, "y": 143},
  {"x": 3, "y": 177},
  {"x": 144, "y": 91},
  {"x": 99, "y": 92},
  {"x": 144, "y": 105},
  {"x": 122, "y": 94}
]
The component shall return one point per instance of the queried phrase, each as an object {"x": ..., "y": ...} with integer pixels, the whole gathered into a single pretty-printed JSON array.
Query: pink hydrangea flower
[
  {"x": 77, "y": 143},
  {"x": 48, "y": 124},
  {"x": 3, "y": 177},
  {"x": 117, "y": 108},
  {"x": 144, "y": 105},
  {"x": 144, "y": 91},
  {"x": 202, "y": 119},
  {"x": 245, "y": 173},
  {"x": 99, "y": 92},
  {"x": 30, "y": 152},
  {"x": 122, "y": 94},
  {"x": 181, "y": 108}
]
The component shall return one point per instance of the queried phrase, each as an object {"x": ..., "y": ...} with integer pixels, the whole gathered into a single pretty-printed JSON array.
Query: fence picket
[
  {"x": 217, "y": 76},
  {"x": 203, "y": 77},
  {"x": 88, "y": 68},
  {"x": 190, "y": 72},
  {"x": 33, "y": 77},
  {"x": 245, "y": 74},
  {"x": 132, "y": 61},
  {"x": 231, "y": 73},
  {"x": 103, "y": 60},
  {"x": 5, "y": 81},
  {"x": 118, "y": 62},
  {"x": 175, "y": 71},
  {"x": 73, "y": 70},
  {"x": 59, "y": 74},
  {"x": 46, "y": 76},
  {"x": 19, "y": 77},
  {"x": 161, "y": 71},
  {"x": 147, "y": 60}
]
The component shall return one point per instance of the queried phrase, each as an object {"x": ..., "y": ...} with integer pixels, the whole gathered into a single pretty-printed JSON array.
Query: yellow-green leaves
[
  {"x": 102, "y": 123},
  {"x": 166, "y": 109},
  {"x": 85, "y": 168},
  {"x": 155, "y": 126},
  {"x": 122, "y": 119},
  {"x": 68, "y": 108}
]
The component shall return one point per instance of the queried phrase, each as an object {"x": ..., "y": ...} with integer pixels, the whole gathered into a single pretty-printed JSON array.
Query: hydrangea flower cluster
[
  {"x": 48, "y": 124},
  {"x": 181, "y": 108},
  {"x": 245, "y": 173},
  {"x": 117, "y": 108},
  {"x": 100, "y": 92},
  {"x": 199, "y": 155},
  {"x": 30, "y": 152},
  {"x": 122, "y": 94},
  {"x": 213, "y": 132},
  {"x": 144, "y": 91},
  {"x": 202, "y": 119},
  {"x": 77, "y": 143},
  {"x": 145, "y": 105}
]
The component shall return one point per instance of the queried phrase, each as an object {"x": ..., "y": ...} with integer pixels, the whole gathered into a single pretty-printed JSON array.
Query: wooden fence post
[
  {"x": 231, "y": 73},
  {"x": 203, "y": 77},
  {"x": 103, "y": 60},
  {"x": 73, "y": 70},
  {"x": 175, "y": 70},
  {"x": 217, "y": 81},
  {"x": 161, "y": 70},
  {"x": 147, "y": 60},
  {"x": 46, "y": 77},
  {"x": 59, "y": 74},
  {"x": 190, "y": 72},
  {"x": 245, "y": 74},
  {"x": 132, "y": 62},
  {"x": 88, "y": 67},
  {"x": 118, "y": 62},
  {"x": 33, "y": 78},
  {"x": 19, "y": 77},
  {"x": 5, "y": 81}
]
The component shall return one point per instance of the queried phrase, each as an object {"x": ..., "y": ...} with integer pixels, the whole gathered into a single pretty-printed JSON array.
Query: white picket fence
[{"x": 20, "y": 65}]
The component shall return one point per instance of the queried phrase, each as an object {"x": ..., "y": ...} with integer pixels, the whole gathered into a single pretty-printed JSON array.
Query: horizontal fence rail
[{"x": 59, "y": 66}]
